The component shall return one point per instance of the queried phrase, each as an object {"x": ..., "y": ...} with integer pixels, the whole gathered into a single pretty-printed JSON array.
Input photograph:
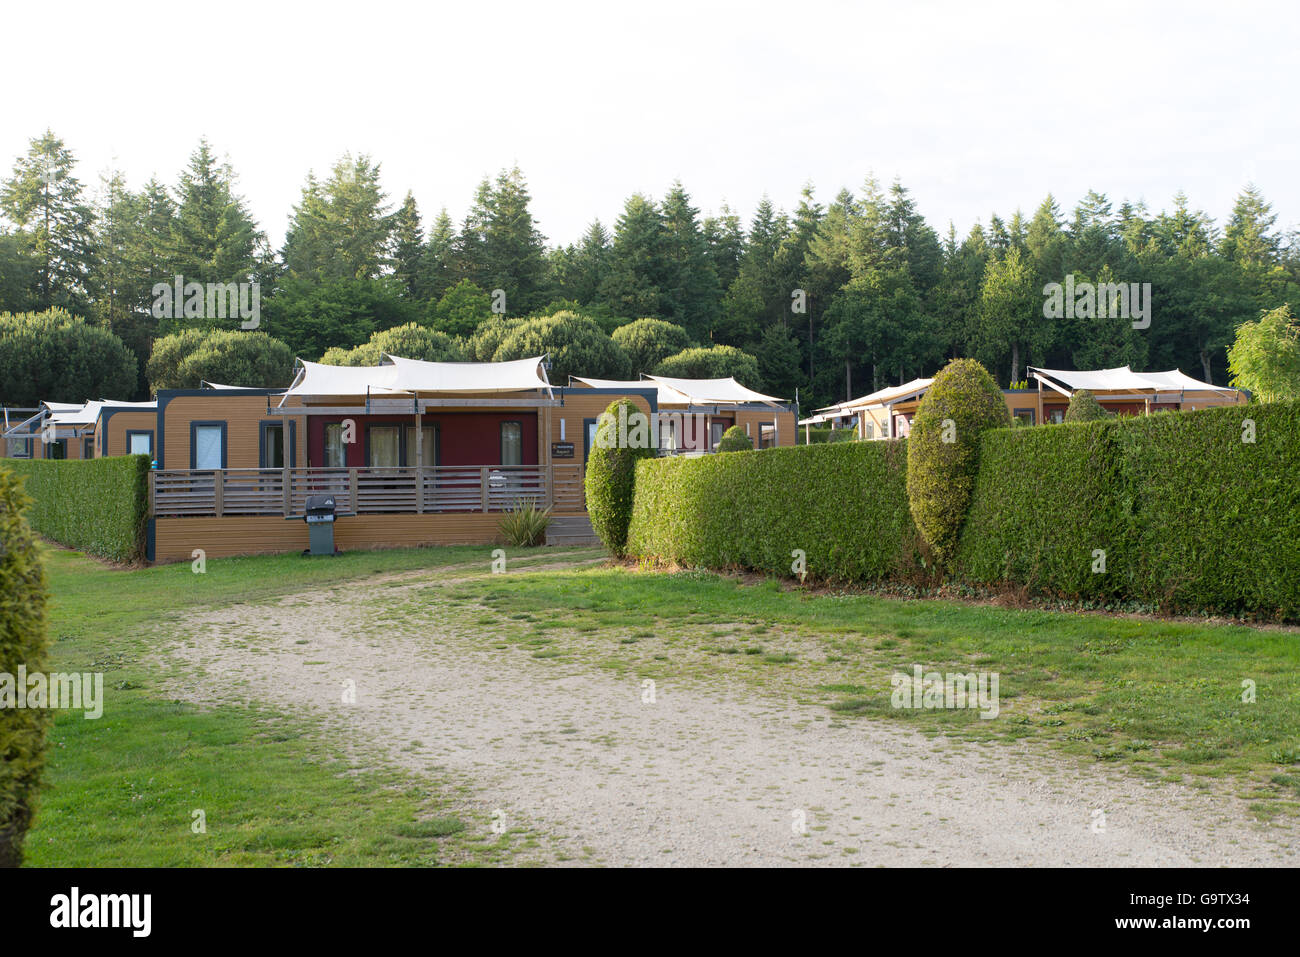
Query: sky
[{"x": 977, "y": 108}]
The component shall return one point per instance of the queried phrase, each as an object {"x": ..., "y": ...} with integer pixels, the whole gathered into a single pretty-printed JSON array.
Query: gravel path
[{"x": 575, "y": 756}]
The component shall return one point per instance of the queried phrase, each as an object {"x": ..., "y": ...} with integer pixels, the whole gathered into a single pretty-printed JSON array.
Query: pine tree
[
  {"x": 590, "y": 265},
  {"x": 689, "y": 295},
  {"x": 637, "y": 265},
  {"x": 1247, "y": 239},
  {"x": 726, "y": 243},
  {"x": 341, "y": 229},
  {"x": 44, "y": 200},
  {"x": 214, "y": 238},
  {"x": 512, "y": 254},
  {"x": 438, "y": 261},
  {"x": 408, "y": 246}
]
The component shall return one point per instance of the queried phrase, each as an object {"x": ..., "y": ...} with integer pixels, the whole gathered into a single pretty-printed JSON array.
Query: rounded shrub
[
  {"x": 735, "y": 440},
  {"x": 943, "y": 450},
  {"x": 1084, "y": 407},
  {"x": 23, "y": 642},
  {"x": 623, "y": 438}
]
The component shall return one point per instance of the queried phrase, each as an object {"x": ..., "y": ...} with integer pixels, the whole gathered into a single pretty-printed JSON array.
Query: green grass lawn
[
  {"x": 1162, "y": 698},
  {"x": 1159, "y": 698},
  {"x": 121, "y": 790}
]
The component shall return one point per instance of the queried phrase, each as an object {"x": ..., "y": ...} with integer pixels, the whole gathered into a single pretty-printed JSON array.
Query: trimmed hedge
[
  {"x": 1189, "y": 515},
  {"x": 95, "y": 505},
  {"x": 816, "y": 435},
  {"x": 735, "y": 439},
  {"x": 1216, "y": 519},
  {"x": 1084, "y": 407},
  {"x": 24, "y": 641},
  {"x": 844, "y": 504},
  {"x": 611, "y": 470},
  {"x": 1045, "y": 498},
  {"x": 962, "y": 403}
]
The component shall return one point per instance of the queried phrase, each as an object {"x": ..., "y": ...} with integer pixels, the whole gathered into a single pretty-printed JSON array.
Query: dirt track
[{"x": 574, "y": 755}]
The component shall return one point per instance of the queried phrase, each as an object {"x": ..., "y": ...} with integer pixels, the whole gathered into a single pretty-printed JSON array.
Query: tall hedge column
[
  {"x": 23, "y": 642},
  {"x": 962, "y": 403},
  {"x": 623, "y": 437}
]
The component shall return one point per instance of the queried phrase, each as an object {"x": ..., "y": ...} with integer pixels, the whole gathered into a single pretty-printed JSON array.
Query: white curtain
[
  {"x": 207, "y": 447},
  {"x": 383, "y": 447}
]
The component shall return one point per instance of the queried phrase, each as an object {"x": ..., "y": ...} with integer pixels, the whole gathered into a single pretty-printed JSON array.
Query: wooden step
[{"x": 571, "y": 530}]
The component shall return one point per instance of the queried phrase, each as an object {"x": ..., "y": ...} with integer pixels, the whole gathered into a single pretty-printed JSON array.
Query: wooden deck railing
[{"x": 365, "y": 491}]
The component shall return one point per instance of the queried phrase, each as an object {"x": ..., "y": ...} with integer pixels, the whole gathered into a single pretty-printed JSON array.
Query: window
[
  {"x": 335, "y": 451},
  {"x": 668, "y": 432},
  {"x": 270, "y": 444},
  {"x": 1023, "y": 416},
  {"x": 207, "y": 445},
  {"x": 58, "y": 449},
  {"x": 88, "y": 447},
  {"x": 512, "y": 443},
  {"x": 139, "y": 443},
  {"x": 766, "y": 435},
  {"x": 588, "y": 437},
  {"x": 1056, "y": 416},
  {"x": 272, "y": 450},
  {"x": 428, "y": 446},
  {"x": 384, "y": 447},
  {"x": 715, "y": 433}
]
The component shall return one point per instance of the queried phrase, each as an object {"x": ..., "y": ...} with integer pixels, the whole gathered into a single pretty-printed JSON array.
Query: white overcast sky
[{"x": 978, "y": 107}]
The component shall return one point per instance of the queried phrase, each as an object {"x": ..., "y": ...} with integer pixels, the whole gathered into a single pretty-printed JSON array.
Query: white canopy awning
[
  {"x": 818, "y": 419},
  {"x": 400, "y": 376},
  {"x": 894, "y": 393},
  {"x": 518, "y": 375},
  {"x": 685, "y": 391},
  {"x": 316, "y": 378},
  {"x": 85, "y": 414},
  {"x": 714, "y": 391},
  {"x": 1122, "y": 379},
  {"x": 666, "y": 395}
]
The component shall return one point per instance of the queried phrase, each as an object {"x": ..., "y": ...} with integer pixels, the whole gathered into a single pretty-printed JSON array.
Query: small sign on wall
[{"x": 561, "y": 450}]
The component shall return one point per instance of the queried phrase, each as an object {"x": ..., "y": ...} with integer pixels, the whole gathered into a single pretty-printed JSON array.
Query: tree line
[{"x": 831, "y": 299}]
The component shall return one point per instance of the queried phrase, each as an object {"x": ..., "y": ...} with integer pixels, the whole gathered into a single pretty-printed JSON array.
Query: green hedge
[
  {"x": 24, "y": 642},
  {"x": 844, "y": 504},
  {"x": 1190, "y": 516},
  {"x": 95, "y": 505},
  {"x": 1044, "y": 500},
  {"x": 812, "y": 436},
  {"x": 1216, "y": 519}
]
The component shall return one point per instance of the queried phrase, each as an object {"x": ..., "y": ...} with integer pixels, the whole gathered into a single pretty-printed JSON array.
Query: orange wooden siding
[
  {"x": 116, "y": 426},
  {"x": 243, "y": 415},
  {"x": 175, "y": 539}
]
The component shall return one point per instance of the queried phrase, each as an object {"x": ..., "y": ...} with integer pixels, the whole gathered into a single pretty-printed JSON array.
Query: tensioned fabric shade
[
  {"x": 319, "y": 379},
  {"x": 714, "y": 391},
  {"x": 408, "y": 376},
  {"x": 883, "y": 395},
  {"x": 1124, "y": 379},
  {"x": 666, "y": 395},
  {"x": 416, "y": 375}
]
